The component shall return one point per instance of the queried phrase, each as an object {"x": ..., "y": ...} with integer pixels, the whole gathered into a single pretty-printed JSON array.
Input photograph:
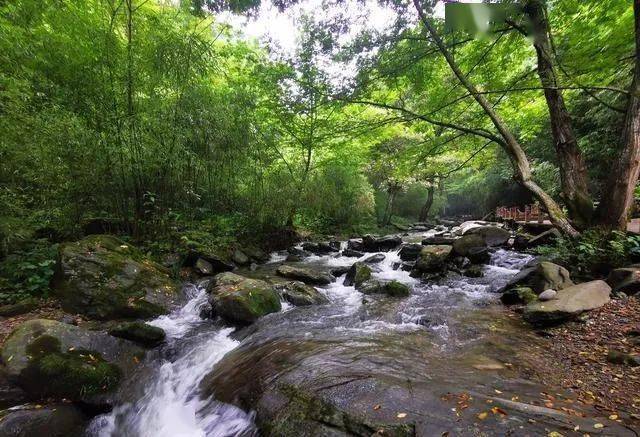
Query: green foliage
[
  {"x": 27, "y": 272},
  {"x": 594, "y": 253}
]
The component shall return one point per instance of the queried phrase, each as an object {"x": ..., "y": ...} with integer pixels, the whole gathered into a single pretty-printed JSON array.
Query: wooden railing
[{"x": 531, "y": 213}]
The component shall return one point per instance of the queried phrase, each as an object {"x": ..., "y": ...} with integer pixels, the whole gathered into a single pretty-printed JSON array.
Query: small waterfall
[{"x": 171, "y": 406}]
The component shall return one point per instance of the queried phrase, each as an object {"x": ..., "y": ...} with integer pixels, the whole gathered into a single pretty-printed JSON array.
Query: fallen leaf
[
  {"x": 613, "y": 417},
  {"x": 482, "y": 415},
  {"x": 401, "y": 415},
  {"x": 376, "y": 407},
  {"x": 598, "y": 426}
]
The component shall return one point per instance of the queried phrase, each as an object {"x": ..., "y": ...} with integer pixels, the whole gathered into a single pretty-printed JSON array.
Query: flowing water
[{"x": 456, "y": 319}]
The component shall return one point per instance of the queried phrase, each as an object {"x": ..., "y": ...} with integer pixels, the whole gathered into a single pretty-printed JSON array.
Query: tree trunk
[
  {"x": 614, "y": 209},
  {"x": 509, "y": 144},
  {"x": 573, "y": 172},
  {"x": 424, "y": 212}
]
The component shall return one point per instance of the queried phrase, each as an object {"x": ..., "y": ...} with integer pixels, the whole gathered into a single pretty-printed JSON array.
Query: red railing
[{"x": 530, "y": 213}]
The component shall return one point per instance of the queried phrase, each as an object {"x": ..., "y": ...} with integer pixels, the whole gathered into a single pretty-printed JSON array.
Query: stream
[{"x": 429, "y": 363}]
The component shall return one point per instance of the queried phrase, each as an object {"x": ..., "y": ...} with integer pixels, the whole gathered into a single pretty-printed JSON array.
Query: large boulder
[
  {"x": 105, "y": 278},
  {"x": 56, "y": 420},
  {"x": 50, "y": 359},
  {"x": 540, "y": 277},
  {"x": 491, "y": 235},
  {"x": 371, "y": 243},
  {"x": 357, "y": 274},
  {"x": 304, "y": 274},
  {"x": 467, "y": 244},
  {"x": 432, "y": 258},
  {"x": 301, "y": 294},
  {"x": 569, "y": 303},
  {"x": 241, "y": 301},
  {"x": 625, "y": 280}
]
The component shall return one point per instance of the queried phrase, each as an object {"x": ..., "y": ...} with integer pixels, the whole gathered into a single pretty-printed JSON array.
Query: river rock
[
  {"x": 241, "y": 301},
  {"x": 432, "y": 258},
  {"x": 410, "y": 252},
  {"x": 570, "y": 302},
  {"x": 139, "y": 332},
  {"x": 240, "y": 258},
  {"x": 374, "y": 259},
  {"x": 391, "y": 288},
  {"x": 491, "y": 235},
  {"x": 300, "y": 294},
  {"x": 518, "y": 295},
  {"x": 548, "y": 295},
  {"x": 625, "y": 280},
  {"x": 468, "y": 243},
  {"x": 355, "y": 244},
  {"x": 352, "y": 253},
  {"x": 55, "y": 420},
  {"x": 305, "y": 274},
  {"x": 380, "y": 244},
  {"x": 53, "y": 359},
  {"x": 542, "y": 276},
  {"x": 104, "y": 278},
  {"x": 357, "y": 274}
]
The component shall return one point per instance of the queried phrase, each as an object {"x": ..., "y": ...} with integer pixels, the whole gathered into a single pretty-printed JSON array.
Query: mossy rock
[
  {"x": 104, "y": 278},
  {"x": 300, "y": 294},
  {"x": 357, "y": 274},
  {"x": 390, "y": 288},
  {"x": 433, "y": 258},
  {"x": 518, "y": 295},
  {"x": 53, "y": 359},
  {"x": 241, "y": 301},
  {"x": 139, "y": 332},
  {"x": 72, "y": 374},
  {"x": 304, "y": 274}
]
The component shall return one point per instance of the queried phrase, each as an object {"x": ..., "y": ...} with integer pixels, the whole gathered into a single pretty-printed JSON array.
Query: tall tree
[{"x": 613, "y": 210}]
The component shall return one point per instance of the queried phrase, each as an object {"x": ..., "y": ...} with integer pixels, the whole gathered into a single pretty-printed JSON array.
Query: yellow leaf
[
  {"x": 613, "y": 417},
  {"x": 598, "y": 426},
  {"x": 401, "y": 415},
  {"x": 482, "y": 415}
]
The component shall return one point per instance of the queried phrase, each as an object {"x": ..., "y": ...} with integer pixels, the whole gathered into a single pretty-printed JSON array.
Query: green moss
[
  {"x": 139, "y": 332},
  {"x": 73, "y": 374},
  {"x": 363, "y": 273},
  {"x": 395, "y": 288}
]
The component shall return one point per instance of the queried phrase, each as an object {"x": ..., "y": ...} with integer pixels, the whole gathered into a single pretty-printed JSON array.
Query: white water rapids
[{"x": 170, "y": 405}]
